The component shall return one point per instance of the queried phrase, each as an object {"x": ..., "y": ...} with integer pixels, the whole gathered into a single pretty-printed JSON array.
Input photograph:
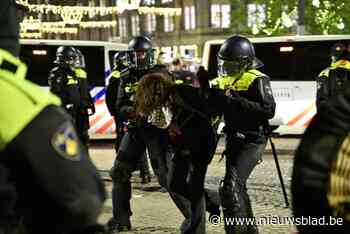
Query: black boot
[
  {"x": 114, "y": 227},
  {"x": 145, "y": 174}
]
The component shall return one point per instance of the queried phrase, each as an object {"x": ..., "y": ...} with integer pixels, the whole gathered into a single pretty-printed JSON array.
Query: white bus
[
  {"x": 40, "y": 54},
  {"x": 293, "y": 63}
]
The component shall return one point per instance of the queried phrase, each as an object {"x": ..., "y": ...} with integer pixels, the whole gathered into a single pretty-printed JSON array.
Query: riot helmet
[
  {"x": 141, "y": 53},
  {"x": 120, "y": 60},
  {"x": 80, "y": 59},
  {"x": 338, "y": 51},
  {"x": 67, "y": 55},
  {"x": 236, "y": 55},
  {"x": 9, "y": 23}
]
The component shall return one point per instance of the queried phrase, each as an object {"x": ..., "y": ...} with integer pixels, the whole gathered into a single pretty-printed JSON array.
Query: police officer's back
[
  {"x": 331, "y": 80},
  {"x": 55, "y": 187}
]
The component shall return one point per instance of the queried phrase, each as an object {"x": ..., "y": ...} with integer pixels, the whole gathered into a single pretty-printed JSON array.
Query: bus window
[
  {"x": 39, "y": 59},
  {"x": 95, "y": 64}
]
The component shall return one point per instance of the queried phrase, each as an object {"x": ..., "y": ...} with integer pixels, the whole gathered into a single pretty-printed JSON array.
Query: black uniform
[
  {"x": 331, "y": 80},
  {"x": 321, "y": 169},
  {"x": 47, "y": 180},
  {"x": 71, "y": 86},
  {"x": 246, "y": 110},
  {"x": 133, "y": 145},
  {"x": 120, "y": 67}
]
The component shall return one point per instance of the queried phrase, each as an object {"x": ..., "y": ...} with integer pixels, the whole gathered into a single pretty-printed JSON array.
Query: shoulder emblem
[{"x": 65, "y": 142}]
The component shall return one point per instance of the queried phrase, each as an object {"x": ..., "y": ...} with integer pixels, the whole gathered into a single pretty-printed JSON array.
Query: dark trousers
[
  {"x": 143, "y": 163},
  {"x": 131, "y": 149},
  {"x": 186, "y": 187},
  {"x": 241, "y": 159}
]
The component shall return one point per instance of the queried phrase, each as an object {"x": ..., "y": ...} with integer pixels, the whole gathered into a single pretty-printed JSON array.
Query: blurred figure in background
[
  {"x": 70, "y": 84},
  {"x": 181, "y": 75},
  {"x": 330, "y": 80}
]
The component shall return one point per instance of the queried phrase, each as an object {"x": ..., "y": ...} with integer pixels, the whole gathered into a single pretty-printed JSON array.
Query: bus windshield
[{"x": 39, "y": 59}]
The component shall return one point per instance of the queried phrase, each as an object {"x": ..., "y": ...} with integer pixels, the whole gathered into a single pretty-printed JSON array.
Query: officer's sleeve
[
  {"x": 83, "y": 87},
  {"x": 124, "y": 107},
  {"x": 216, "y": 102},
  {"x": 56, "y": 80},
  {"x": 112, "y": 94},
  {"x": 50, "y": 150},
  {"x": 322, "y": 92},
  {"x": 263, "y": 108}
]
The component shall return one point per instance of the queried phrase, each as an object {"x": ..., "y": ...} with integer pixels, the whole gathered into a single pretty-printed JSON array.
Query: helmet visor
[
  {"x": 229, "y": 68},
  {"x": 257, "y": 63},
  {"x": 80, "y": 61},
  {"x": 142, "y": 59}
]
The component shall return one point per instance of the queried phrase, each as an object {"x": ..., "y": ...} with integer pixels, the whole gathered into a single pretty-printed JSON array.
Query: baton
[{"x": 278, "y": 170}]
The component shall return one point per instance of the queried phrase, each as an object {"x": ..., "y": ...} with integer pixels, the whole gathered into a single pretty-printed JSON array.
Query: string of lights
[{"x": 99, "y": 10}]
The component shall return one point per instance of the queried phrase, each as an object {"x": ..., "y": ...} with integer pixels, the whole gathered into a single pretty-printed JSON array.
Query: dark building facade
[{"x": 176, "y": 36}]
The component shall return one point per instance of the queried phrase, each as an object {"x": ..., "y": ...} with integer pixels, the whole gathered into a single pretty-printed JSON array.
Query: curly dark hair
[{"x": 153, "y": 91}]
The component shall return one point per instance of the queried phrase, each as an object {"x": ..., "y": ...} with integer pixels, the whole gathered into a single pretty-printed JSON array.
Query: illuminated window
[
  {"x": 123, "y": 32},
  {"x": 256, "y": 14},
  {"x": 169, "y": 25},
  {"x": 149, "y": 2},
  {"x": 220, "y": 16},
  {"x": 190, "y": 17},
  {"x": 135, "y": 25},
  {"x": 151, "y": 22}
]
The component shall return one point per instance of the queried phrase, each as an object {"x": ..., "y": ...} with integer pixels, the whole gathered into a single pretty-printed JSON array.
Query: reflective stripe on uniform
[
  {"x": 20, "y": 101},
  {"x": 243, "y": 83},
  {"x": 341, "y": 64},
  {"x": 80, "y": 73},
  {"x": 345, "y": 64},
  {"x": 19, "y": 68},
  {"x": 72, "y": 80},
  {"x": 325, "y": 72},
  {"x": 114, "y": 75}
]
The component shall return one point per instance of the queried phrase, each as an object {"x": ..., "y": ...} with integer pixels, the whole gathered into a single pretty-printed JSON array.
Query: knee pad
[{"x": 120, "y": 172}]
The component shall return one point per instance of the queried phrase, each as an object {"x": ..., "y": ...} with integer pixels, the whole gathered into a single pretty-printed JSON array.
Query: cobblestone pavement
[{"x": 154, "y": 212}]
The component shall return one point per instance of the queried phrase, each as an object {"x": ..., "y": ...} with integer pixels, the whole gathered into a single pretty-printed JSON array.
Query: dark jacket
[{"x": 250, "y": 105}]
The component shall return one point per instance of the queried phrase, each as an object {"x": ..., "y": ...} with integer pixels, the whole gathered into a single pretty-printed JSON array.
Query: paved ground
[{"x": 154, "y": 213}]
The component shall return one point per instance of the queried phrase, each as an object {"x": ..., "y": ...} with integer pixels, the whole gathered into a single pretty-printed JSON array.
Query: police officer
[
  {"x": 120, "y": 68},
  {"x": 321, "y": 171},
  {"x": 56, "y": 187},
  {"x": 121, "y": 65},
  {"x": 83, "y": 123},
  {"x": 70, "y": 84},
  {"x": 138, "y": 136},
  {"x": 330, "y": 80},
  {"x": 248, "y": 107}
]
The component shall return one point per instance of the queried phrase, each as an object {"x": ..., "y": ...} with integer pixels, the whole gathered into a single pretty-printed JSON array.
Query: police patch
[{"x": 65, "y": 142}]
